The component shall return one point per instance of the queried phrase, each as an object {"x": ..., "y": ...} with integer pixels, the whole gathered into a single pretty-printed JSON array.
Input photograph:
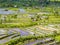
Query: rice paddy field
[{"x": 30, "y": 26}]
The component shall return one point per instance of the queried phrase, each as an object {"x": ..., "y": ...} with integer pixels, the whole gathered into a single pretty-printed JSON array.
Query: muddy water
[
  {"x": 22, "y": 32},
  {"x": 2, "y": 11}
]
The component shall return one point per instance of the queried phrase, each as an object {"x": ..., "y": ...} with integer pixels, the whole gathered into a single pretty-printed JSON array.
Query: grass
[
  {"x": 13, "y": 9},
  {"x": 57, "y": 38}
]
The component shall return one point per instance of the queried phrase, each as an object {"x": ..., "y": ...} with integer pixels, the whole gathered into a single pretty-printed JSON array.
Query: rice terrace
[{"x": 29, "y": 22}]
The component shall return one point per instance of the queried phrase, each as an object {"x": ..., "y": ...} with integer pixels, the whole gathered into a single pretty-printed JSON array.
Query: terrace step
[
  {"x": 49, "y": 42},
  {"x": 8, "y": 38},
  {"x": 16, "y": 35},
  {"x": 5, "y": 36}
]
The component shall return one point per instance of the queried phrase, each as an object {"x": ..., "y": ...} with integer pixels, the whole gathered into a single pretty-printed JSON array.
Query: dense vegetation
[{"x": 27, "y": 3}]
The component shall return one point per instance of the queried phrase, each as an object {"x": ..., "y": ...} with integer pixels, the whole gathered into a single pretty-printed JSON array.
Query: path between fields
[{"x": 43, "y": 28}]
